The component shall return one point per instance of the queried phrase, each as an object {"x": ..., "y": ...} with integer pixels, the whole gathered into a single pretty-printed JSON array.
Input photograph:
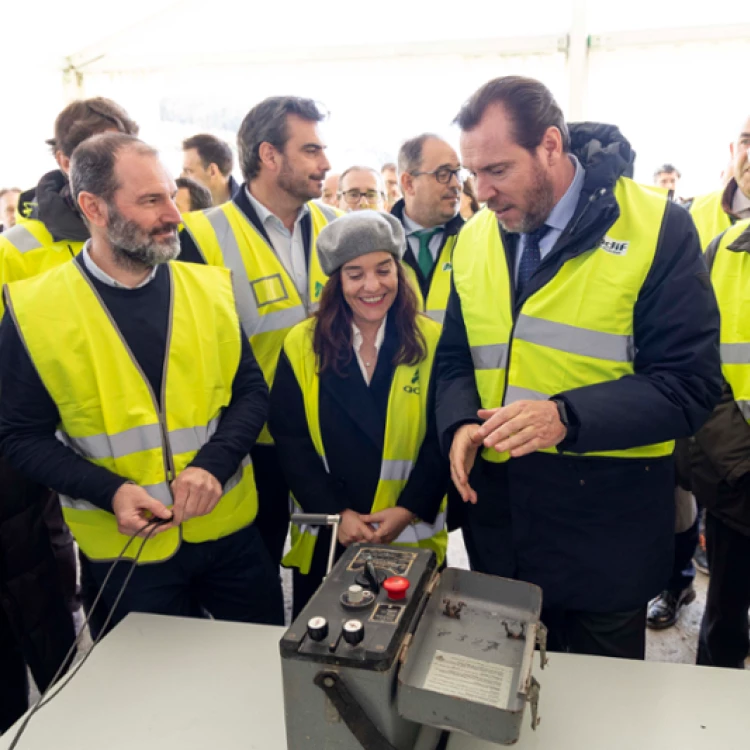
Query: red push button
[{"x": 396, "y": 586}]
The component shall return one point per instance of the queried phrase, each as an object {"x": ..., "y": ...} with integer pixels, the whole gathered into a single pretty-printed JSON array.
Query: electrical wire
[{"x": 45, "y": 698}]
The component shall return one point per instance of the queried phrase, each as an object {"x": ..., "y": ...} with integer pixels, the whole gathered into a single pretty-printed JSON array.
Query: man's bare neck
[{"x": 277, "y": 201}]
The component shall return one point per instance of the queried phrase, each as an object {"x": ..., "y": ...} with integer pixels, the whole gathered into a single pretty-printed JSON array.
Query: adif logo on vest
[{"x": 614, "y": 247}]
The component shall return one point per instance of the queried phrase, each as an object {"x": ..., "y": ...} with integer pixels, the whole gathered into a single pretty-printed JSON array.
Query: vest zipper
[{"x": 168, "y": 457}]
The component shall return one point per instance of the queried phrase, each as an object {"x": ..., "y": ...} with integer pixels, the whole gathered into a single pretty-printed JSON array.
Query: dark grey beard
[{"x": 134, "y": 249}]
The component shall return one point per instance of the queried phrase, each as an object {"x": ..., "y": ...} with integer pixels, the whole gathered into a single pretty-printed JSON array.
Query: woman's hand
[
  {"x": 354, "y": 529},
  {"x": 391, "y": 522}
]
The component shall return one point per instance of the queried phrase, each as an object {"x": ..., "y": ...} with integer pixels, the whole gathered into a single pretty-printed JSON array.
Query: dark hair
[
  {"x": 200, "y": 197},
  {"x": 267, "y": 123},
  {"x": 410, "y": 153},
  {"x": 471, "y": 194},
  {"x": 668, "y": 169},
  {"x": 332, "y": 341},
  {"x": 92, "y": 166},
  {"x": 211, "y": 150},
  {"x": 528, "y": 103},
  {"x": 86, "y": 117}
]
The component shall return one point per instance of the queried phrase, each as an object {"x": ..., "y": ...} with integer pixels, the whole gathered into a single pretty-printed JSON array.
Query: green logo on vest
[
  {"x": 414, "y": 387},
  {"x": 447, "y": 266},
  {"x": 318, "y": 289}
]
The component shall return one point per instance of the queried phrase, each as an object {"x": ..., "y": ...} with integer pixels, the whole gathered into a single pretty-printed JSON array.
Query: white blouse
[{"x": 357, "y": 343}]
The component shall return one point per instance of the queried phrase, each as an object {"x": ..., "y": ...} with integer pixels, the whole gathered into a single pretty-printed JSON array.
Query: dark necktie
[
  {"x": 425, "y": 256},
  {"x": 531, "y": 258}
]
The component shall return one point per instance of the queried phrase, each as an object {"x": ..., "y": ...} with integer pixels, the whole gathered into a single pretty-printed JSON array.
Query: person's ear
[
  {"x": 93, "y": 208},
  {"x": 62, "y": 161}
]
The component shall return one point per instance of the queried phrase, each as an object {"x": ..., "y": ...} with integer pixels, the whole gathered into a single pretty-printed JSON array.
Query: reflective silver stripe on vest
[
  {"x": 160, "y": 492},
  {"x": 327, "y": 211},
  {"x": 396, "y": 470},
  {"x": 490, "y": 356},
  {"x": 735, "y": 354},
  {"x": 295, "y": 507},
  {"x": 243, "y": 296},
  {"x": 137, "y": 439},
  {"x": 744, "y": 407},
  {"x": 189, "y": 439},
  {"x": 281, "y": 319},
  {"x": 236, "y": 478},
  {"x": 437, "y": 315},
  {"x": 418, "y": 532},
  {"x": 575, "y": 340},
  {"x": 118, "y": 445},
  {"x": 68, "y": 502},
  {"x": 514, "y": 394},
  {"x": 22, "y": 239}
]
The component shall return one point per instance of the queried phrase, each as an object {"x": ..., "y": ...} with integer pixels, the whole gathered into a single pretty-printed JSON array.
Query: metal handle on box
[{"x": 321, "y": 519}]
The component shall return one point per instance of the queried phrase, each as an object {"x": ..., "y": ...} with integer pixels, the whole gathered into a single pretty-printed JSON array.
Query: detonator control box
[{"x": 390, "y": 653}]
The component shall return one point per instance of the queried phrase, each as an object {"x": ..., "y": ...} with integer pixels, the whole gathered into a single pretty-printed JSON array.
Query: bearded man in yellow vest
[
  {"x": 267, "y": 236},
  {"x": 715, "y": 212},
  {"x": 431, "y": 176},
  {"x": 580, "y": 339},
  {"x": 129, "y": 388}
]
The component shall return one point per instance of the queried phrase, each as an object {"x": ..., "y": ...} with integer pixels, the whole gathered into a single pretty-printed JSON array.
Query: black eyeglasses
[
  {"x": 444, "y": 174},
  {"x": 354, "y": 196}
]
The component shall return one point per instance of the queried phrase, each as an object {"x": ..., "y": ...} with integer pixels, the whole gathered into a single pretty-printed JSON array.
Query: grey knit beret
[{"x": 359, "y": 233}]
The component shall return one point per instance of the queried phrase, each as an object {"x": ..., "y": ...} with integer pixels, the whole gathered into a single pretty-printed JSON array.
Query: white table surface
[{"x": 163, "y": 683}]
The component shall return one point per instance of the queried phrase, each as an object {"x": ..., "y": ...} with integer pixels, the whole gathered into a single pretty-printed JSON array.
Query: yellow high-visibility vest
[
  {"x": 268, "y": 302},
  {"x": 730, "y": 275},
  {"x": 109, "y": 413},
  {"x": 440, "y": 284},
  {"x": 575, "y": 331},
  {"x": 28, "y": 249},
  {"x": 709, "y": 216},
  {"x": 405, "y": 428}
]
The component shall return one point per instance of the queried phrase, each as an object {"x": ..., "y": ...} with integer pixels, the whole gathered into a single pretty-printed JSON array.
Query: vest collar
[{"x": 742, "y": 243}]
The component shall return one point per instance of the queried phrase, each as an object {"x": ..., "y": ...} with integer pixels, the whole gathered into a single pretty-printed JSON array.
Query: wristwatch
[{"x": 571, "y": 424}]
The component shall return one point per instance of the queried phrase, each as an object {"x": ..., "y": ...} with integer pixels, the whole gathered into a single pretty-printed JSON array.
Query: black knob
[
  {"x": 317, "y": 628},
  {"x": 354, "y": 632}
]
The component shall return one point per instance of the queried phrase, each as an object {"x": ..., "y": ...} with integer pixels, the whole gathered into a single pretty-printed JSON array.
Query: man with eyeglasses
[
  {"x": 360, "y": 188},
  {"x": 431, "y": 177}
]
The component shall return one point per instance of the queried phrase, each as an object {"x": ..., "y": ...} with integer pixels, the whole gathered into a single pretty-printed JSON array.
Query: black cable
[{"x": 43, "y": 698}]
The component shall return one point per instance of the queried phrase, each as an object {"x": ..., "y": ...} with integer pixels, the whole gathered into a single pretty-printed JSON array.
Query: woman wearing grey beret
[{"x": 351, "y": 407}]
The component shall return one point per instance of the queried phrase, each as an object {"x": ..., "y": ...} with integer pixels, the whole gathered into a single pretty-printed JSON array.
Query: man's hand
[
  {"x": 134, "y": 508},
  {"x": 392, "y": 521},
  {"x": 196, "y": 493},
  {"x": 462, "y": 456},
  {"x": 354, "y": 529},
  {"x": 521, "y": 428}
]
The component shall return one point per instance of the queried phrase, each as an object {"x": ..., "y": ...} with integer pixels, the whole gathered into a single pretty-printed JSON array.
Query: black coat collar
[{"x": 358, "y": 400}]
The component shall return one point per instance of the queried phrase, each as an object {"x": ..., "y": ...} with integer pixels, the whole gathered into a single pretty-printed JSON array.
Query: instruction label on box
[{"x": 470, "y": 679}]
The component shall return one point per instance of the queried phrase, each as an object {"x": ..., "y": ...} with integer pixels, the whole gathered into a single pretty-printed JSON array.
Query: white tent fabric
[{"x": 385, "y": 72}]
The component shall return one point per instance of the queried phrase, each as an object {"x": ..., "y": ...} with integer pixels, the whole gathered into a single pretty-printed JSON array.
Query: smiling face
[
  {"x": 370, "y": 285},
  {"x": 514, "y": 182},
  {"x": 142, "y": 218}
]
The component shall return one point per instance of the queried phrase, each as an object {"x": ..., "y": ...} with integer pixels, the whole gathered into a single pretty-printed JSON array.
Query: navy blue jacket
[{"x": 597, "y": 533}]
